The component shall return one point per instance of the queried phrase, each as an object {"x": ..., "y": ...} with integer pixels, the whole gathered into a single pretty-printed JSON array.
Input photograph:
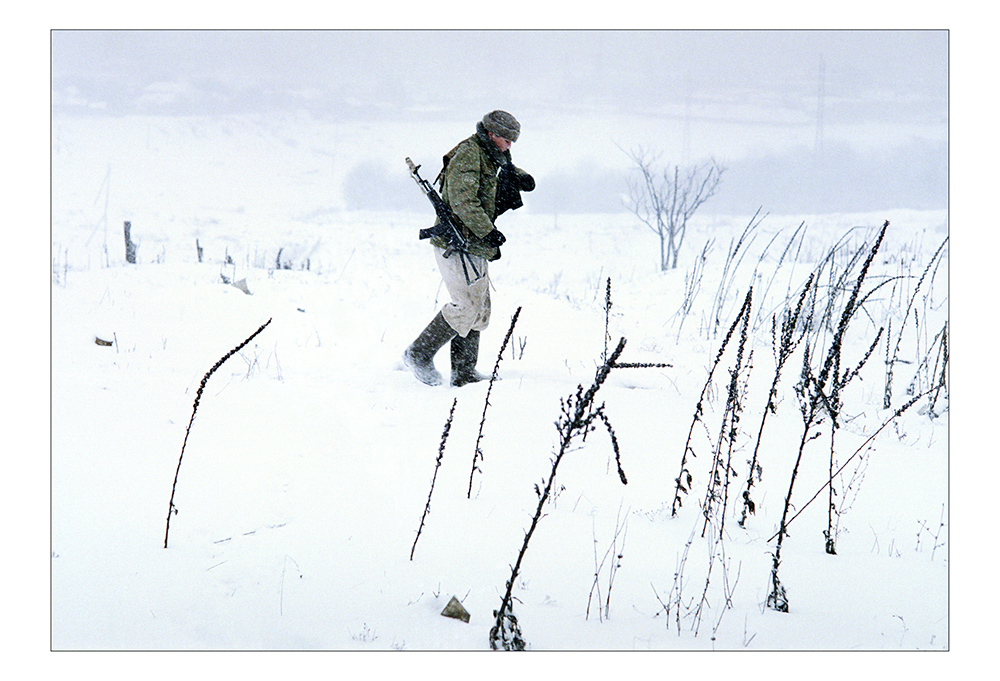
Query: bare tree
[{"x": 665, "y": 200}]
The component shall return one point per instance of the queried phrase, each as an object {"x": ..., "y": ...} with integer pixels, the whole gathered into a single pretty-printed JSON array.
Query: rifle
[{"x": 446, "y": 225}]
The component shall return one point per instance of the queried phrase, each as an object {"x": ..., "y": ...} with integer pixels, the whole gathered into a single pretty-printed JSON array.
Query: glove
[
  {"x": 495, "y": 238},
  {"x": 527, "y": 182}
]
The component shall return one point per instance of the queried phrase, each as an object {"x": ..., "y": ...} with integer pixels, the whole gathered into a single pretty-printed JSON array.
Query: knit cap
[{"x": 502, "y": 124}]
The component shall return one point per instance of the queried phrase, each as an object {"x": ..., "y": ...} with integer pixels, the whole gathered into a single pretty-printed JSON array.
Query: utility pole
[
  {"x": 686, "y": 148},
  {"x": 820, "y": 96}
]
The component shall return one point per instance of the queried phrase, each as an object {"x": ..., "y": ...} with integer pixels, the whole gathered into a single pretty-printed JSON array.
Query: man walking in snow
[{"x": 478, "y": 182}]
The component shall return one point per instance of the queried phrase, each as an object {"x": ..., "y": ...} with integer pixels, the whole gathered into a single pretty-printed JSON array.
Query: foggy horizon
[{"x": 816, "y": 120}]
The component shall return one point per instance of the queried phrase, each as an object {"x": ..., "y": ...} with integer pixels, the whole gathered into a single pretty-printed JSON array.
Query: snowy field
[{"x": 310, "y": 458}]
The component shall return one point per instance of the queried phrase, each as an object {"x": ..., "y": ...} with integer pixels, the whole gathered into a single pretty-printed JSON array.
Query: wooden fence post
[{"x": 129, "y": 245}]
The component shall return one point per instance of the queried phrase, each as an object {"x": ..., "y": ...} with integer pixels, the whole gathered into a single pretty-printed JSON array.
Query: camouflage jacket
[{"x": 468, "y": 184}]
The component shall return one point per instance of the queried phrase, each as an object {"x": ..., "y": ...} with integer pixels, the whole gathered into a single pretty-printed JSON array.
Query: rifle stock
[{"x": 446, "y": 225}]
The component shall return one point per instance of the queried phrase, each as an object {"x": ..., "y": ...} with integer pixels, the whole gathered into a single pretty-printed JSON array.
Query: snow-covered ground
[{"x": 310, "y": 458}]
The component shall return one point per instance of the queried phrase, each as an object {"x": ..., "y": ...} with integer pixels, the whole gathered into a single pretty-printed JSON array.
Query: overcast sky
[{"x": 403, "y": 71}]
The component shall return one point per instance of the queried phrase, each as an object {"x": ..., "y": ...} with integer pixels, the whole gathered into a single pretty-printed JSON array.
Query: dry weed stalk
[
  {"x": 616, "y": 552},
  {"x": 849, "y": 491},
  {"x": 675, "y": 599},
  {"x": 815, "y": 402},
  {"x": 437, "y": 465},
  {"x": 892, "y": 418},
  {"x": 727, "y": 589},
  {"x": 938, "y": 376},
  {"x": 478, "y": 454},
  {"x": 607, "y": 336},
  {"x": 692, "y": 285},
  {"x": 798, "y": 234},
  {"x": 791, "y": 336},
  {"x": 834, "y": 404},
  {"x": 891, "y": 362},
  {"x": 717, "y": 490},
  {"x": 577, "y": 420},
  {"x": 734, "y": 258},
  {"x": 714, "y": 540},
  {"x": 172, "y": 510},
  {"x": 684, "y": 480}
]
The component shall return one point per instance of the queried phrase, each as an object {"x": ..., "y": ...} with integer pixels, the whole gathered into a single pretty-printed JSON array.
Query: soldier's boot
[
  {"x": 464, "y": 355},
  {"x": 419, "y": 357}
]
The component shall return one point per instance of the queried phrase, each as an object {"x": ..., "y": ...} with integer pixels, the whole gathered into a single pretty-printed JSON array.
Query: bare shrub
[{"x": 665, "y": 199}]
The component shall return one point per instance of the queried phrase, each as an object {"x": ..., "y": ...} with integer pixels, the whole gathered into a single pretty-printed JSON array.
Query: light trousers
[{"x": 468, "y": 283}]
